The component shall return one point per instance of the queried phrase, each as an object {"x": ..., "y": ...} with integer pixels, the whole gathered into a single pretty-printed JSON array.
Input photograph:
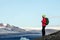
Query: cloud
[{"x": 54, "y": 16}]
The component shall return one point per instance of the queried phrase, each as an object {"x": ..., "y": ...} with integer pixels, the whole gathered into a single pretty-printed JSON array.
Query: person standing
[{"x": 45, "y": 22}]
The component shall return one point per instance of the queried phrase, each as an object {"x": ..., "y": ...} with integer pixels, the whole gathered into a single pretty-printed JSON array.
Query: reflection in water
[{"x": 23, "y": 38}]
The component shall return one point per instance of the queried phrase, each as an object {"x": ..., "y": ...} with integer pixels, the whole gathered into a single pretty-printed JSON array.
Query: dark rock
[{"x": 53, "y": 36}]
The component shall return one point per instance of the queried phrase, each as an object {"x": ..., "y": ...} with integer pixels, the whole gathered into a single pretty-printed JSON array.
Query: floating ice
[{"x": 24, "y": 38}]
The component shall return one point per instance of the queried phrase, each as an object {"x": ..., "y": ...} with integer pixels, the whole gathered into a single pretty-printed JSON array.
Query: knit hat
[{"x": 43, "y": 15}]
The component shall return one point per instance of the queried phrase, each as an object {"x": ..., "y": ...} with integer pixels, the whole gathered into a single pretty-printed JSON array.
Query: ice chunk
[{"x": 24, "y": 38}]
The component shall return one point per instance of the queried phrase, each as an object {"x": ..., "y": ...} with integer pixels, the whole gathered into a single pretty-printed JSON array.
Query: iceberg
[{"x": 24, "y": 38}]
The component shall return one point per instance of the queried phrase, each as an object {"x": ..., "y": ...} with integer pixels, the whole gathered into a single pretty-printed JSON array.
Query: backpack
[{"x": 47, "y": 21}]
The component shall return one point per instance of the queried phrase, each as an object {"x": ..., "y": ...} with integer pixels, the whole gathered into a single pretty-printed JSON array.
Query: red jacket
[{"x": 44, "y": 21}]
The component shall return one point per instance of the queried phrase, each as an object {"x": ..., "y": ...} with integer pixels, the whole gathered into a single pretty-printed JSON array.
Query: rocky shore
[{"x": 53, "y": 36}]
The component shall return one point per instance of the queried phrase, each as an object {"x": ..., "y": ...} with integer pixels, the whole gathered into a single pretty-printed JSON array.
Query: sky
[{"x": 28, "y": 13}]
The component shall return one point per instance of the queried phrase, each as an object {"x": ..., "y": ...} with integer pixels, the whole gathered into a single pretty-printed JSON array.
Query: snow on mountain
[
  {"x": 48, "y": 31},
  {"x": 6, "y": 28}
]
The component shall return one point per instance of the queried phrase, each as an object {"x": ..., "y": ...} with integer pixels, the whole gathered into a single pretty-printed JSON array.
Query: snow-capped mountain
[
  {"x": 48, "y": 31},
  {"x": 10, "y": 29},
  {"x": 6, "y": 28}
]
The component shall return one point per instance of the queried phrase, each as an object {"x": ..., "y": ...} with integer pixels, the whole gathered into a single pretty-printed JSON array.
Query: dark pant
[{"x": 43, "y": 30}]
